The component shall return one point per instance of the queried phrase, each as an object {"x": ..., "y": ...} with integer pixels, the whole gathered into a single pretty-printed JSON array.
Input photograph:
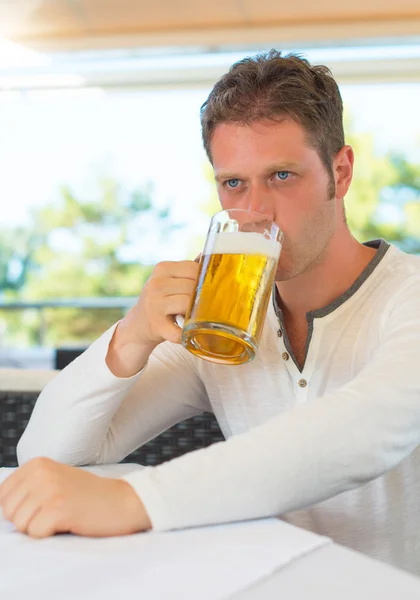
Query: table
[
  {"x": 265, "y": 559},
  {"x": 335, "y": 573}
]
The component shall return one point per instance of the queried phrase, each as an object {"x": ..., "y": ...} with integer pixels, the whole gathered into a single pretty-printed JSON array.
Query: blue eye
[
  {"x": 232, "y": 183},
  {"x": 283, "y": 175}
]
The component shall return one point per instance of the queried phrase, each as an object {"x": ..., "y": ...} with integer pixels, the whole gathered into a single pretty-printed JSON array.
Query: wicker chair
[{"x": 194, "y": 433}]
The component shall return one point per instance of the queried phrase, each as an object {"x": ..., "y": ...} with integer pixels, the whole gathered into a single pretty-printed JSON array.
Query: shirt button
[
  {"x": 302, "y": 383},
  {"x": 285, "y": 356},
  {"x": 279, "y": 332}
]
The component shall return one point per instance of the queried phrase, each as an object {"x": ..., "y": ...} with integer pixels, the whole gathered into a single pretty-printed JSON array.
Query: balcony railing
[{"x": 121, "y": 303}]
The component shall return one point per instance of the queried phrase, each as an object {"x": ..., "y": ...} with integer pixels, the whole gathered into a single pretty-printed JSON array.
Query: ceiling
[
  {"x": 86, "y": 24},
  {"x": 122, "y": 43}
]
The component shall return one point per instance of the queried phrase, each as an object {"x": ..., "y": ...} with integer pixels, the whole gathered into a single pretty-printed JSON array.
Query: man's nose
[{"x": 259, "y": 199}]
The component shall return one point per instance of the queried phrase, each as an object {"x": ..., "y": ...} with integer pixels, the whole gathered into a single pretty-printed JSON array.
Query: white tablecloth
[
  {"x": 205, "y": 563},
  {"x": 257, "y": 560}
]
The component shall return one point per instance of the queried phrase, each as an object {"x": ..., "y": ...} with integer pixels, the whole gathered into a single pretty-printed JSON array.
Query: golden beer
[{"x": 227, "y": 312}]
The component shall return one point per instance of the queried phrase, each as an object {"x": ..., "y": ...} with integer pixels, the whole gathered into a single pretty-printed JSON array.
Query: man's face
[{"x": 269, "y": 167}]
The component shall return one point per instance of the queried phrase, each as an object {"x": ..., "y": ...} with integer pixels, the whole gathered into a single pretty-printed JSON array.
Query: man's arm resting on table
[{"x": 45, "y": 497}]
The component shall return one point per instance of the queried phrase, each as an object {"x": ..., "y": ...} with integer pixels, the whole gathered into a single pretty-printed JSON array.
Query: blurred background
[{"x": 102, "y": 173}]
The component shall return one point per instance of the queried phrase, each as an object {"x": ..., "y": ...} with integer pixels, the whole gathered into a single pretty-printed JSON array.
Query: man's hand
[
  {"x": 167, "y": 293},
  {"x": 44, "y": 497}
]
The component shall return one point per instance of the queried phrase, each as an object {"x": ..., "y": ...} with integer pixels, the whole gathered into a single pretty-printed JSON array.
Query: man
[{"x": 322, "y": 427}]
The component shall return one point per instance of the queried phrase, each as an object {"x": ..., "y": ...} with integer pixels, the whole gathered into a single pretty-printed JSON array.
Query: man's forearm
[{"x": 74, "y": 411}]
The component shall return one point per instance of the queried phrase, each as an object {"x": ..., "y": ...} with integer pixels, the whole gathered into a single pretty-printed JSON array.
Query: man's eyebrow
[
  {"x": 225, "y": 175},
  {"x": 282, "y": 166},
  {"x": 279, "y": 166}
]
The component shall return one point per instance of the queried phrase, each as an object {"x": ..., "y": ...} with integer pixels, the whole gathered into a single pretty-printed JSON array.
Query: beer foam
[{"x": 244, "y": 242}]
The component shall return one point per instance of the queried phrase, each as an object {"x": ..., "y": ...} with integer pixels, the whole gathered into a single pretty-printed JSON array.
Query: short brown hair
[{"x": 269, "y": 86}]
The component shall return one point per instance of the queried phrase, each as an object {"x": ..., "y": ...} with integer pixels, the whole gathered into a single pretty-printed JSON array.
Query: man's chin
[
  {"x": 283, "y": 274},
  {"x": 286, "y": 268},
  {"x": 287, "y": 272}
]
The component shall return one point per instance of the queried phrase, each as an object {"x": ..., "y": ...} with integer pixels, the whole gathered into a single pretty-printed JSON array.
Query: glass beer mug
[{"x": 236, "y": 275}]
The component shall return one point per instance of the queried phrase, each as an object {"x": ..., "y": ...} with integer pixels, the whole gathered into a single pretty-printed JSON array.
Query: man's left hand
[{"x": 44, "y": 497}]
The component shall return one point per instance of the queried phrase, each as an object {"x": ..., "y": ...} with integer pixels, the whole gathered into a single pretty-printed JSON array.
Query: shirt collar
[{"x": 381, "y": 249}]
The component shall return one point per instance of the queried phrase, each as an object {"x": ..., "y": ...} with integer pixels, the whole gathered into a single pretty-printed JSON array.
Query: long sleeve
[
  {"x": 86, "y": 415},
  {"x": 313, "y": 452}
]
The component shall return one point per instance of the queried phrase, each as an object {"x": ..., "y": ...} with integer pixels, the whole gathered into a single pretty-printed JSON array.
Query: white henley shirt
[{"x": 332, "y": 448}]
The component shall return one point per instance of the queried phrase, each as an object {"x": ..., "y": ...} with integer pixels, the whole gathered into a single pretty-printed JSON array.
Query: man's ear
[{"x": 343, "y": 170}]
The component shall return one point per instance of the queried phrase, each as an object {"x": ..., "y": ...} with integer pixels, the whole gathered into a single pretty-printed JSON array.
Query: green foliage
[
  {"x": 16, "y": 246},
  {"x": 384, "y": 198},
  {"x": 79, "y": 248}
]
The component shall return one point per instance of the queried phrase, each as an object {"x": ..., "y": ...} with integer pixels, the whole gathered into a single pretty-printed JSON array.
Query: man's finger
[
  {"x": 9, "y": 483},
  {"x": 13, "y": 499},
  {"x": 24, "y": 473},
  {"x": 184, "y": 269},
  {"x": 44, "y": 523},
  {"x": 26, "y": 512}
]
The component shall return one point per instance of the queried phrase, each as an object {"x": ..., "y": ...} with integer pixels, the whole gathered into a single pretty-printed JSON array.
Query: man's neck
[{"x": 331, "y": 276}]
